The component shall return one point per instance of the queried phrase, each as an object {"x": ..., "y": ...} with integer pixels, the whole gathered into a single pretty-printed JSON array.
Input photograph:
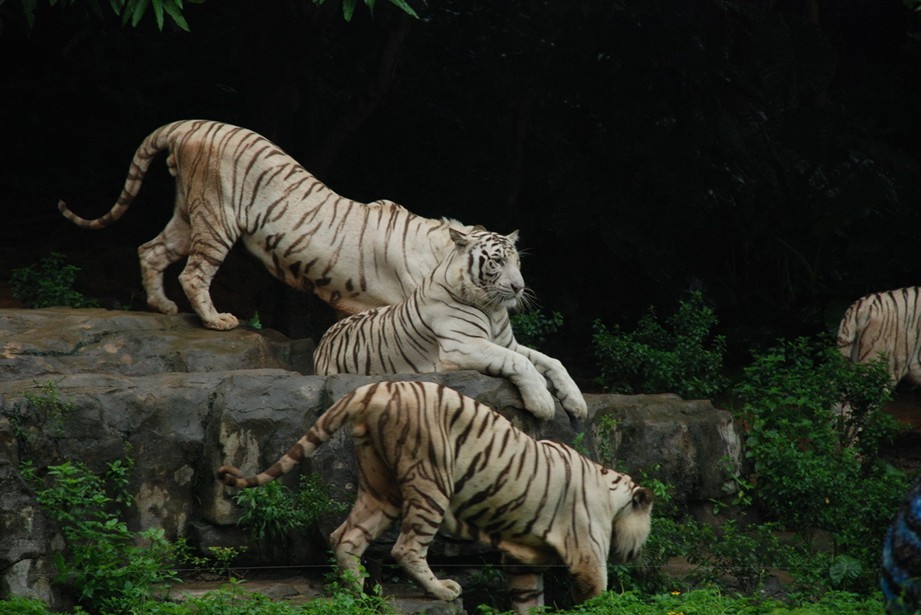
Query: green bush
[
  {"x": 531, "y": 329},
  {"x": 685, "y": 358},
  {"x": 272, "y": 510},
  {"x": 806, "y": 476},
  {"x": 111, "y": 569},
  {"x": 48, "y": 284}
]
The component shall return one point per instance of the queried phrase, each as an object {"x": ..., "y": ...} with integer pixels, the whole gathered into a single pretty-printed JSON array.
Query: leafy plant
[
  {"x": 805, "y": 476},
  {"x": 49, "y": 283},
  {"x": 49, "y": 406},
  {"x": 272, "y": 510},
  {"x": 746, "y": 556},
  {"x": 685, "y": 358},
  {"x": 112, "y": 569},
  {"x": 532, "y": 328}
]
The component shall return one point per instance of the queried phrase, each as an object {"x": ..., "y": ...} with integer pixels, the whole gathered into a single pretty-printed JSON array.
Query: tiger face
[
  {"x": 494, "y": 268},
  {"x": 632, "y": 524}
]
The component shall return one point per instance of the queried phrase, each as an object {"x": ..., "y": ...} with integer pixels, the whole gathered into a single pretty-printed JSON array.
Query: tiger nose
[{"x": 517, "y": 287}]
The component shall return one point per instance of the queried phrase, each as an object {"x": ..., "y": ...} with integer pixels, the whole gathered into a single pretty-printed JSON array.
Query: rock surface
[{"x": 179, "y": 400}]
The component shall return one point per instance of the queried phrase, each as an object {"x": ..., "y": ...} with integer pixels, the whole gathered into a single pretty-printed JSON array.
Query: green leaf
[
  {"x": 139, "y": 9},
  {"x": 348, "y": 9},
  {"x": 158, "y": 13},
  {"x": 405, "y": 7},
  {"x": 174, "y": 10},
  {"x": 844, "y": 569}
]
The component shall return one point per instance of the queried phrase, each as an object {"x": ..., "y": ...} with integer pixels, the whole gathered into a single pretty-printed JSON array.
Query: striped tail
[
  {"x": 322, "y": 430},
  {"x": 155, "y": 142}
]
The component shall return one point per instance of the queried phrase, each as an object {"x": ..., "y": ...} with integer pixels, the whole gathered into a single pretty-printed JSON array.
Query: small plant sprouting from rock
[
  {"x": 47, "y": 407},
  {"x": 49, "y": 283}
]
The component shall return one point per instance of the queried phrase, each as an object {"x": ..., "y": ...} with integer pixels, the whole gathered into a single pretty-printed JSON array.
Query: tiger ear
[
  {"x": 460, "y": 239},
  {"x": 513, "y": 236},
  {"x": 643, "y": 498}
]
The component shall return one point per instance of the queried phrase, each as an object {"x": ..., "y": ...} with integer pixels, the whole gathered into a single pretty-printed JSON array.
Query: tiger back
[
  {"x": 885, "y": 324},
  {"x": 233, "y": 184},
  {"x": 441, "y": 460},
  {"x": 457, "y": 318}
]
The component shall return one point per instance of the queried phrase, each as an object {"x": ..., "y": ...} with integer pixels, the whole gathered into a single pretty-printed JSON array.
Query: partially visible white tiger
[
  {"x": 457, "y": 318},
  {"x": 441, "y": 460},
  {"x": 233, "y": 184},
  {"x": 886, "y": 323}
]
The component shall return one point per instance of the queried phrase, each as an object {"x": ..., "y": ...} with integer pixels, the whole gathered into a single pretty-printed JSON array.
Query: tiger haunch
[
  {"x": 457, "y": 318},
  {"x": 232, "y": 184},
  {"x": 481, "y": 479}
]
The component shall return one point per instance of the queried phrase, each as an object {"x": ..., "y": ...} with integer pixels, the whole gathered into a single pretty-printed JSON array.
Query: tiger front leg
[
  {"x": 489, "y": 358},
  {"x": 565, "y": 387},
  {"x": 524, "y": 575},
  {"x": 525, "y": 589}
]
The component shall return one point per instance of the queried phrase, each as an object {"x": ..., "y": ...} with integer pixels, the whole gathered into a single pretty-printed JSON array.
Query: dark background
[{"x": 765, "y": 153}]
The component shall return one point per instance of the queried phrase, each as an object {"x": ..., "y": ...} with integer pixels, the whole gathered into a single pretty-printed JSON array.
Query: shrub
[
  {"x": 805, "y": 476},
  {"x": 685, "y": 358},
  {"x": 532, "y": 328},
  {"x": 272, "y": 510},
  {"x": 48, "y": 284},
  {"x": 112, "y": 569}
]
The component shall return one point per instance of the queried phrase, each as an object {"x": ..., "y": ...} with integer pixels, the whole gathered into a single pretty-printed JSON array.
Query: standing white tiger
[
  {"x": 457, "y": 318},
  {"x": 886, "y": 323},
  {"x": 232, "y": 184},
  {"x": 443, "y": 461}
]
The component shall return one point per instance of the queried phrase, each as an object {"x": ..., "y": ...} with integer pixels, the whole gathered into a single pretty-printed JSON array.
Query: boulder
[{"x": 95, "y": 386}]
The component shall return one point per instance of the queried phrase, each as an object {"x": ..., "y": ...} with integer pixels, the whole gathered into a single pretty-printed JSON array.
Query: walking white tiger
[
  {"x": 233, "y": 184},
  {"x": 885, "y": 323},
  {"x": 441, "y": 460},
  {"x": 457, "y": 318}
]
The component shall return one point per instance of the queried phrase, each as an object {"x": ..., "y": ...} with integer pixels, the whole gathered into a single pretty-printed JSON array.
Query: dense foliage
[{"x": 686, "y": 358}]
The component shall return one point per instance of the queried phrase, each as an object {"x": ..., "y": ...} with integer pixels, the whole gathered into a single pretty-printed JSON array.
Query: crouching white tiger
[
  {"x": 443, "y": 461},
  {"x": 233, "y": 184},
  {"x": 886, "y": 323},
  {"x": 457, "y": 318}
]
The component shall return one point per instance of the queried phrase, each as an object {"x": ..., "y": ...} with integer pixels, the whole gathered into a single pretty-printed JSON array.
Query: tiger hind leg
[
  {"x": 420, "y": 523},
  {"x": 376, "y": 508},
  {"x": 368, "y": 519},
  {"x": 171, "y": 245}
]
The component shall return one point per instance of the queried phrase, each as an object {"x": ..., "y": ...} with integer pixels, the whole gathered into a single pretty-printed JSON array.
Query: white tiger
[
  {"x": 457, "y": 318},
  {"x": 889, "y": 324},
  {"x": 443, "y": 461},
  {"x": 233, "y": 184}
]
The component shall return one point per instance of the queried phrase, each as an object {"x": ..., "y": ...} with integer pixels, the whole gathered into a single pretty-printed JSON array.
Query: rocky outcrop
[{"x": 179, "y": 400}]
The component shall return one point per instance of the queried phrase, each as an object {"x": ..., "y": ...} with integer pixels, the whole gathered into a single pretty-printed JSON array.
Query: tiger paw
[
  {"x": 223, "y": 322},
  {"x": 575, "y": 405},
  {"x": 446, "y": 590},
  {"x": 164, "y": 306},
  {"x": 539, "y": 403}
]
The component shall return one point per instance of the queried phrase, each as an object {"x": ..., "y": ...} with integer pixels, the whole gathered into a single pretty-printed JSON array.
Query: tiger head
[
  {"x": 493, "y": 268},
  {"x": 632, "y": 522}
]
